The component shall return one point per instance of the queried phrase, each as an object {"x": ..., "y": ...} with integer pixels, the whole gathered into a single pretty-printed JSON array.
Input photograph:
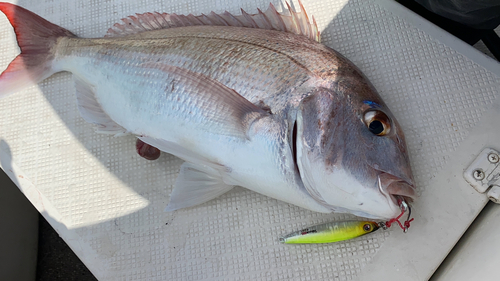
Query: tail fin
[{"x": 37, "y": 39}]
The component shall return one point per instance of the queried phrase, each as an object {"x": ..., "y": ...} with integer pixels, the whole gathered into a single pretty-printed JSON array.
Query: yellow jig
[
  {"x": 330, "y": 232},
  {"x": 345, "y": 230}
]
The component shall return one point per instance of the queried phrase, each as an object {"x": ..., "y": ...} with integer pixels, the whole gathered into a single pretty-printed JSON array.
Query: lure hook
[
  {"x": 404, "y": 208},
  {"x": 408, "y": 220}
]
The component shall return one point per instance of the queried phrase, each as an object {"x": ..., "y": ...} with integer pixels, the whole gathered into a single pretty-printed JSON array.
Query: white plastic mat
[{"x": 107, "y": 203}]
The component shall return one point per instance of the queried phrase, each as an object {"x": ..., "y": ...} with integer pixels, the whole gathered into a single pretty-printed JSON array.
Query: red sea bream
[{"x": 249, "y": 100}]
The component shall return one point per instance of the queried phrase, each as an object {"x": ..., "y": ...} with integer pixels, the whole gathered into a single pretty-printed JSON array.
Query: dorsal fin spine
[
  {"x": 193, "y": 18},
  {"x": 185, "y": 21},
  {"x": 161, "y": 20},
  {"x": 295, "y": 20},
  {"x": 249, "y": 19},
  {"x": 287, "y": 21},
  {"x": 280, "y": 22},
  {"x": 234, "y": 21},
  {"x": 149, "y": 22},
  {"x": 268, "y": 23},
  {"x": 219, "y": 18}
]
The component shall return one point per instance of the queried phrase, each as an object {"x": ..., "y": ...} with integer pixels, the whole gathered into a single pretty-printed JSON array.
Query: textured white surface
[
  {"x": 476, "y": 256},
  {"x": 107, "y": 202}
]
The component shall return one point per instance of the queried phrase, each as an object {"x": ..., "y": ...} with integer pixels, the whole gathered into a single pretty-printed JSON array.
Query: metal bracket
[{"x": 484, "y": 174}]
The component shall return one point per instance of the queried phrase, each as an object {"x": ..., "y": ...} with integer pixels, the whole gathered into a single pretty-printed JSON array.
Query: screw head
[
  {"x": 478, "y": 175},
  {"x": 493, "y": 158}
]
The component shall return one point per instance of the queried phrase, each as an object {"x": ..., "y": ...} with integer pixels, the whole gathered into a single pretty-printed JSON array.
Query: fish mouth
[{"x": 393, "y": 187}]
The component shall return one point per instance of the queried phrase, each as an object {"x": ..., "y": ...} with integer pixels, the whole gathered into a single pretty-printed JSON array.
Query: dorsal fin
[{"x": 288, "y": 21}]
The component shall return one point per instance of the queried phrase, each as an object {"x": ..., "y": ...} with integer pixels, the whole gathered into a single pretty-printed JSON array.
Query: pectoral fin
[
  {"x": 195, "y": 185},
  {"x": 199, "y": 179}
]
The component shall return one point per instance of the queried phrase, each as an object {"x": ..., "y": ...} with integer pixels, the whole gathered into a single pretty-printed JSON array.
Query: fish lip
[{"x": 393, "y": 187}]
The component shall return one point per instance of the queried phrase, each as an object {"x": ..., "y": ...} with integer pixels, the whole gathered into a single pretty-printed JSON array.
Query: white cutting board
[{"x": 107, "y": 203}]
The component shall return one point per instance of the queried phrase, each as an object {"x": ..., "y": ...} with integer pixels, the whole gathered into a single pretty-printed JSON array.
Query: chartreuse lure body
[{"x": 330, "y": 232}]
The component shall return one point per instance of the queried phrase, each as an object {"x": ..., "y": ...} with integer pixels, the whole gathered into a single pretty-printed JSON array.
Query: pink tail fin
[{"x": 36, "y": 38}]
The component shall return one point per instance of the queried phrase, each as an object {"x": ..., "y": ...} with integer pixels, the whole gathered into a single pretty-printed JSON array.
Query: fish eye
[
  {"x": 377, "y": 122},
  {"x": 367, "y": 227}
]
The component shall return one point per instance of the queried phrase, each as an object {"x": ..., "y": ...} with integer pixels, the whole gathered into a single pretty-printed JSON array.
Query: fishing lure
[
  {"x": 344, "y": 230},
  {"x": 330, "y": 232}
]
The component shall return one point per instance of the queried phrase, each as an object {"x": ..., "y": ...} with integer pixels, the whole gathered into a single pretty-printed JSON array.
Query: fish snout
[
  {"x": 403, "y": 189},
  {"x": 393, "y": 186}
]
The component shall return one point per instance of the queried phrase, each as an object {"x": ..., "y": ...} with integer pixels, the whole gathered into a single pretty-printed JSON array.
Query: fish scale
[{"x": 243, "y": 70}]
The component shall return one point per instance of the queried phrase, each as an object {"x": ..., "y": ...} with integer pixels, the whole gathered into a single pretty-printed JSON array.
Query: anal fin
[
  {"x": 92, "y": 111},
  {"x": 196, "y": 184}
]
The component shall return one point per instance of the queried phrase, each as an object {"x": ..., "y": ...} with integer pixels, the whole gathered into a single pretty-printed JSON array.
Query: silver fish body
[{"x": 271, "y": 111}]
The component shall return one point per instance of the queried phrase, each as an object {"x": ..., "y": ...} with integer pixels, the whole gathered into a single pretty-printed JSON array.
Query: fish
[
  {"x": 330, "y": 232},
  {"x": 250, "y": 100}
]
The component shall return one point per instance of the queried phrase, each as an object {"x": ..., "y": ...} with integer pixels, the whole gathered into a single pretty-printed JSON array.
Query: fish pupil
[
  {"x": 367, "y": 227},
  {"x": 376, "y": 127}
]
